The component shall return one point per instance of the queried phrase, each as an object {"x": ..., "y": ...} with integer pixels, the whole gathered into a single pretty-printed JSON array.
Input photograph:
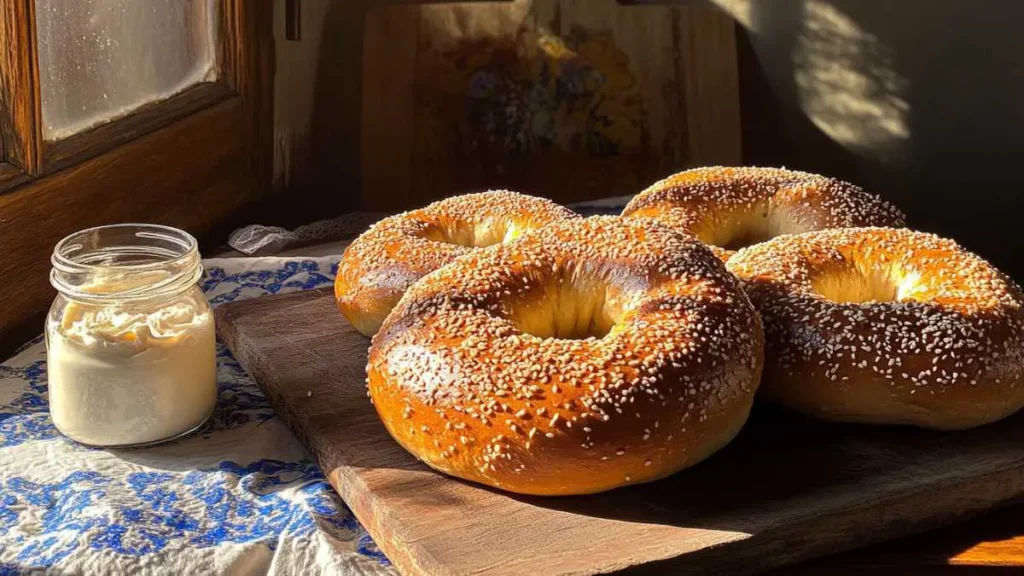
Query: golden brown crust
[
  {"x": 723, "y": 206},
  {"x": 380, "y": 265},
  {"x": 464, "y": 376},
  {"x": 886, "y": 326}
]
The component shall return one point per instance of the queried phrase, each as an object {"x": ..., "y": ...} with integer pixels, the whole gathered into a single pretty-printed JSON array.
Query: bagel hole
[
  {"x": 746, "y": 227},
  {"x": 474, "y": 234},
  {"x": 566, "y": 309},
  {"x": 747, "y": 237},
  {"x": 849, "y": 283}
]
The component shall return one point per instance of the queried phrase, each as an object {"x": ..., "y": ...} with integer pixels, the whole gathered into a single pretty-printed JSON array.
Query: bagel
[
  {"x": 381, "y": 264},
  {"x": 886, "y": 326},
  {"x": 732, "y": 207},
  {"x": 587, "y": 355}
]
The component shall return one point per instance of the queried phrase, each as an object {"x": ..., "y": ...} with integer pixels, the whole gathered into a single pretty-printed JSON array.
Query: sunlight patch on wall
[
  {"x": 741, "y": 10},
  {"x": 846, "y": 84}
]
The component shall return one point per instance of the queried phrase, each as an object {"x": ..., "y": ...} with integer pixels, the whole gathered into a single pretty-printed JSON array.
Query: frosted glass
[{"x": 101, "y": 59}]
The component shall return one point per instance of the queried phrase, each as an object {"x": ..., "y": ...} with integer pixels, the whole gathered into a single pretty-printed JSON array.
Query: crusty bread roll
[
  {"x": 886, "y": 326},
  {"x": 587, "y": 355}
]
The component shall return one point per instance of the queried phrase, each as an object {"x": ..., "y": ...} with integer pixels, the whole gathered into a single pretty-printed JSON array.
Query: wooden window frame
[
  {"x": 200, "y": 160},
  {"x": 26, "y": 155},
  {"x": 19, "y": 102}
]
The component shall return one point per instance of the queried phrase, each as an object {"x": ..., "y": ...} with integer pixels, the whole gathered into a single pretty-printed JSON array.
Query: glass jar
[{"x": 130, "y": 339}]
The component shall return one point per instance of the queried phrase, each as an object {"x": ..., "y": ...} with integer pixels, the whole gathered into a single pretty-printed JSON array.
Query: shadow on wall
[
  {"x": 317, "y": 91},
  {"x": 920, "y": 102}
]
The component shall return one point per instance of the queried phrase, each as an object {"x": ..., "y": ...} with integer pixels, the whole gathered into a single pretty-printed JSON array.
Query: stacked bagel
[{"x": 520, "y": 346}]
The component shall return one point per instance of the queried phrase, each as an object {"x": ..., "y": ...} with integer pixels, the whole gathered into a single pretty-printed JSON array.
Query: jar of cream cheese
[{"x": 130, "y": 340}]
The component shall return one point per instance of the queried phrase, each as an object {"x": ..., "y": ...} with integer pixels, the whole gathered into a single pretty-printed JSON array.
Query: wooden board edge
[
  {"x": 411, "y": 558},
  {"x": 238, "y": 344},
  {"x": 227, "y": 310},
  {"x": 368, "y": 510}
]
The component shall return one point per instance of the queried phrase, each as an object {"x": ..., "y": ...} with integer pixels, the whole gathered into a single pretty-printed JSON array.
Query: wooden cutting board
[{"x": 785, "y": 490}]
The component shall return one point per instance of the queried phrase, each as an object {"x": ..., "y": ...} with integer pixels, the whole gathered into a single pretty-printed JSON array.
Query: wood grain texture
[
  {"x": 1004, "y": 548},
  {"x": 11, "y": 176},
  {"x": 248, "y": 59},
  {"x": 190, "y": 174},
  {"x": 709, "y": 68},
  {"x": 20, "y": 126},
  {"x": 990, "y": 544},
  {"x": 786, "y": 490},
  {"x": 392, "y": 41},
  {"x": 192, "y": 161},
  {"x": 569, "y": 99},
  {"x": 60, "y": 154}
]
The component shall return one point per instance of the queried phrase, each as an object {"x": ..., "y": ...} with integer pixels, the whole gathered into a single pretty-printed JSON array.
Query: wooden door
[{"x": 118, "y": 111}]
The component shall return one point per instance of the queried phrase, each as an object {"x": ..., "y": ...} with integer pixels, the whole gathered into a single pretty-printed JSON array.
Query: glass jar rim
[{"x": 145, "y": 247}]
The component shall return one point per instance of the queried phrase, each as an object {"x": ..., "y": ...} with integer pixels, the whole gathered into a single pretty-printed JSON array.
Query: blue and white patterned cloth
[{"x": 241, "y": 496}]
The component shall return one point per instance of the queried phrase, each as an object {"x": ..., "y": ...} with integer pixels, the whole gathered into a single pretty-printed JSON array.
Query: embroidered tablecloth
[{"x": 241, "y": 496}]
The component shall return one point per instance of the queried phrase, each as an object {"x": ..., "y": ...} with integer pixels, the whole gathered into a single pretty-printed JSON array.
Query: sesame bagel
[
  {"x": 732, "y": 207},
  {"x": 381, "y": 264},
  {"x": 587, "y": 355},
  {"x": 886, "y": 326}
]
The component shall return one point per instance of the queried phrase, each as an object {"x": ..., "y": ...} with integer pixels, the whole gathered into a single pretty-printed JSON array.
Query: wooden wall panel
[
  {"x": 386, "y": 132},
  {"x": 569, "y": 99},
  {"x": 707, "y": 61}
]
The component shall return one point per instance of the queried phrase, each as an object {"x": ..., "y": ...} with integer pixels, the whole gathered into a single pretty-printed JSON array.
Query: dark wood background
[{"x": 958, "y": 82}]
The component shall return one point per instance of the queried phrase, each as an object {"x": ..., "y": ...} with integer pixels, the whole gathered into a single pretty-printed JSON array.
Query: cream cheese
[{"x": 132, "y": 372}]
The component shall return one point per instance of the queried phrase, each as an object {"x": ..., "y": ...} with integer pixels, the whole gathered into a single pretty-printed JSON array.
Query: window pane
[{"x": 101, "y": 59}]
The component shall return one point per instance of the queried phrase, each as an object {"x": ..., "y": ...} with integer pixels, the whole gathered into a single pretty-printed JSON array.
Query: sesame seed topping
[
  {"x": 391, "y": 255},
  {"x": 576, "y": 333},
  {"x": 903, "y": 309},
  {"x": 730, "y": 206}
]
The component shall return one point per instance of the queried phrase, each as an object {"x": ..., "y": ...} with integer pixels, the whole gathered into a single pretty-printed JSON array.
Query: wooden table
[{"x": 992, "y": 544}]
